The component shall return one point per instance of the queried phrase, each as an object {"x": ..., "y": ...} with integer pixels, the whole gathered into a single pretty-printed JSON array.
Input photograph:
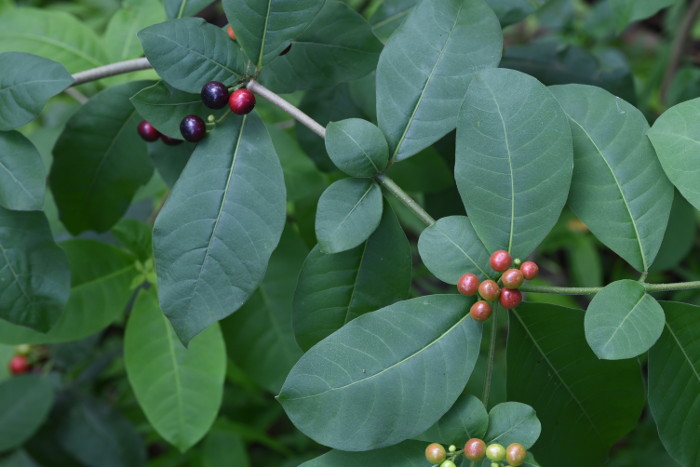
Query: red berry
[
  {"x": 193, "y": 128},
  {"x": 435, "y": 453},
  {"x": 241, "y": 101},
  {"x": 529, "y": 270},
  {"x": 147, "y": 131},
  {"x": 286, "y": 50},
  {"x": 19, "y": 365},
  {"x": 480, "y": 311},
  {"x": 515, "y": 454},
  {"x": 230, "y": 32},
  {"x": 501, "y": 260},
  {"x": 170, "y": 141},
  {"x": 512, "y": 278},
  {"x": 214, "y": 95},
  {"x": 489, "y": 290},
  {"x": 475, "y": 449},
  {"x": 510, "y": 298},
  {"x": 468, "y": 284}
]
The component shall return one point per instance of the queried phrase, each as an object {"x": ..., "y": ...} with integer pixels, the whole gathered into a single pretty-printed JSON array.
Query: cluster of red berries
[
  {"x": 509, "y": 296},
  {"x": 20, "y": 362},
  {"x": 476, "y": 449}
]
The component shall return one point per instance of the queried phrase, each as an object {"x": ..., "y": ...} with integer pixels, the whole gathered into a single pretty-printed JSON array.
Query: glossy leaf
[
  {"x": 348, "y": 212},
  {"x": 120, "y": 38},
  {"x": 407, "y": 454},
  {"x": 22, "y": 173},
  {"x": 618, "y": 188},
  {"x": 214, "y": 236},
  {"x": 623, "y": 321},
  {"x": 180, "y": 8},
  {"x": 372, "y": 373},
  {"x": 26, "y": 84},
  {"x": 188, "y": 52},
  {"x": 513, "y": 422},
  {"x": 389, "y": 16},
  {"x": 25, "y": 402},
  {"x": 466, "y": 419},
  {"x": 357, "y": 147},
  {"x": 179, "y": 389},
  {"x": 99, "y": 161},
  {"x": 514, "y": 160},
  {"x": 334, "y": 289},
  {"x": 674, "y": 382},
  {"x": 551, "y": 368},
  {"x": 426, "y": 66}
]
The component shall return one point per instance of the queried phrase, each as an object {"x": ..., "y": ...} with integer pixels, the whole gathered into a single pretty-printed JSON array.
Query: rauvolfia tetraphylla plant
[{"x": 391, "y": 265}]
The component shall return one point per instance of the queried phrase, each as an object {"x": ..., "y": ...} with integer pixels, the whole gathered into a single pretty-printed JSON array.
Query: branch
[
  {"x": 112, "y": 69},
  {"x": 678, "y": 47},
  {"x": 593, "y": 290},
  {"x": 405, "y": 198}
]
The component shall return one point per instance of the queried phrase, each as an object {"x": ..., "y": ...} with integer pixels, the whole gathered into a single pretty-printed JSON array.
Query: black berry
[
  {"x": 193, "y": 128},
  {"x": 147, "y": 131},
  {"x": 214, "y": 95}
]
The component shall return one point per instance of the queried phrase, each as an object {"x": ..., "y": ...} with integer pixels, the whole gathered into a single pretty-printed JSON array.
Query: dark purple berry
[
  {"x": 170, "y": 141},
  {"x": 147, "y": 131},
  {"x": 215, "y": 95},
  {"x": 193, "y": 128}
]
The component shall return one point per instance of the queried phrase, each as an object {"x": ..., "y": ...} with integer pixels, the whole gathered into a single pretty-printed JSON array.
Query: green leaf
[
  {"x": 26, "y": 84},
  {"x": 334, "y": 289},
  {"x": 25, "y": 402},
  {"x": 513, "y": 422},
  {"x": 679, "y": 237},
  {"x": 677, "y": 145},
  {"x": 627, "y": 11},
  {"x": 364, "y": 386},
  {"x": 223, "y": 447},
  {"x": 407, "y": 454},
  {"x": 425, "y": 69},
  {"x": 179, "y": 389},
  {"x": 623, "y": 321},
  {"x": 169, "y": 160},
  {"x": 674, "y": 382},
  {"x": 265, "y": 27},
  {"x": 357, "y": 147},
  {"x": 450, "y": 248},
  {"x": 136, "y": 236},
  {"x": 618, "y": 188},
  {"x": 33, "y": 270},
  {"x": 514, "y": 160},
  {"x": 347, "y": 214},
  {"x": 551, "y": 368},
  {"x": 337, "y": 46},
  {"x": 513, "y": 11},
  {"x": 389, "y": 16},
  {"x": 214, "y": 236},
  {"x": 188, "y": 52},
  {"x": 99, "y": 161},
  {"x": 466, "y": 419},
  {"x": 22, "y": 173},
  {"x": 120, "y": 37},
  {"x": 180, "y": 8}
]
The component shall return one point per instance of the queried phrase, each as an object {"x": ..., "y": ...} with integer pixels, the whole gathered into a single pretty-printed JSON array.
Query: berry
[
  {"x": 501, "y": 260},
  {"x": 193, "y": 128},
  {"x": 495, "y": 452},
  {"x": 475, "y": 449},
  {"x": 230, "y": 32},
  {"x": 170, "y": 141},
  {"x": 452, "y": 448},
  {"x": 435, "y": 453},
  {"x": 489, "y": 290},
  {"x": 214, "y": 95},
  {"x": 468, "y": 284},
  {"x": 286, "y": 50},
  {"x": 19, "y": 365},
  {"x": 480, "y": 311},
  {"x": 529, "y": 270},
  {"x": 510, "y": 298},
  {"x": 515, "y": 454},
  {"x": 448, "y": 463},
  {"x": 241, "y": 101},
  {"x": 23, "y": 349},
  {"x": 147, "y": 132},
  {"x": 512, "y": 278}
]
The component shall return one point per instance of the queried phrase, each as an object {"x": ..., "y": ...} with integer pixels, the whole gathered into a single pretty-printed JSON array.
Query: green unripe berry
[
  {"x": 495, "y": 452},
  {"x": 452, "y": 448},
  {"x": 448, "y": 463}
]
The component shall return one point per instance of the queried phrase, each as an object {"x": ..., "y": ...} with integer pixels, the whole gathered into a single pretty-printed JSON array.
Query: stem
[
  {"x": 678, "y": 46},
  {"x": 404, "y": 197},
  {"x": 490, "y": 362},
  {"x": 112, "y": 69},
  {"x": 593, "y": 290}
]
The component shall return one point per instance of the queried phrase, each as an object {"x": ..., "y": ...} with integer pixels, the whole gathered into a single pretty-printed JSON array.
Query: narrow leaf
[
  {"x": 357, "y": 147},
  {"x": 513, "y": 422},
  {"x": 25, "y": 402},
  {"x": 22, "y": 173},
  {"x": 466, "y": 419}
]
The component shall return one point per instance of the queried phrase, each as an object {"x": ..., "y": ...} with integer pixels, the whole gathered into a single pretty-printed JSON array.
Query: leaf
[
  {"x": 513, "y": 11},
  {"x": 551, "y": 368},
  {"x": 334, "y": 289},
  {"x": 674, "y": 382},
  {"x": 25, "y": 402},
  {"x": 136, "y": 236},
  {"x": 99, "y": 161},
  {"x": 180, "y": 8},
  {"x": 357, "y": 147},
  {"x": 513, "y": 161},
  {"x": 264, "y": 28},
  {"x": 169, "y": 160},
  {"x": 364, "y": 386},
  {"x": 214, "y": 236},
  {"x": 450, "y": 248},
  {"x": 223, "y": 447},
  {"x": 390, "y": 15},
  {"x": 618, "y": 188},
  {"x": 407, "y": 454},
  {"x": 22, "y": 173},
  {"x": 513, "y": 422},
  {"x": 120, "y": 37},
  {"x": 627, "y": 11},
  {"x": 677, "y": 147},
  {"x": 679, "y": 237},
  {"x": 179, "y": 389},
  {"x": 188, "y": 52},
  {"x": 26, "y": 84},
  {"x": 33, "y": 270},
  {"x": 466, "y": 419},
  {"x": 426, "y": 66},
  {"x": 337, "y": 46},
  {"x": 623, "y": 321}
]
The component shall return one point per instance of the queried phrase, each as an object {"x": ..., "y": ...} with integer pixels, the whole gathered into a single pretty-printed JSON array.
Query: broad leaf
[
  {"x": 180, "y": 8},
  {"x": 466, "y": 419},
  {"x": 389, "y": 16},
  {"x": 618, "y": 189},
  {"x": 168, "y": 160},
  {"x": 627, "y": 11},
  {"x": 26, "y": 83},
  {"x": 223, "y": 447},
  {"x": 357, "y": 147},
  {"x": 512, "y": 11},
  {"x": 22, "y": 173},
  {"x": 215, "y": 234},
  {"x": 514, "y": 160},
  {"x": 623, "y": 321},
  {"x": 25, "y": 402},
  {"x": 179, "y": 389},
  {"x": 426, "y": 66},
  {"x": 120, "y": 38},
  {"x": 407, "y": 454},
  {"x": 364, "y": 386},
  {"x": 679, "y": 237},
  {"x": 551, "y": 368},
  {"x": 99, "y": 161},
  {"x": 513, "y": 422}
]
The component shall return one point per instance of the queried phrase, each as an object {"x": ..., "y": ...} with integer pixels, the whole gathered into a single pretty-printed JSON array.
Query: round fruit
[
  {"x": 435, "y": 453},
  {"x": 170, "y": 141},
  {"x": 214, "y": 95},
  {"x": 286, "y": 50},
  {"x": 515, "y": 454},
  {"x": 19, "y": 365},
  {"x": 501, "y": 260},
  {"x": 230, "y": 32},
  {"x": 512, "y": 278},
  {"x": 480, "y": 311},
  {"x": 448, "y": 463},
  {"x": 241, "y": 101},
  {"x": 510, "y": 298},
  {"x": 147, "y": 131},
  {"x": 475, "y": 449},
  {"x": 193, "y": 128},
  {"x": 489, "y": 290},
  {"x": 529, "y": 270},
  {"x": 23, "y": 349},
  {"x": 468, "y": 284},
  {"x": 495, "y": 452},
  {"x": 452, "y": 448}
]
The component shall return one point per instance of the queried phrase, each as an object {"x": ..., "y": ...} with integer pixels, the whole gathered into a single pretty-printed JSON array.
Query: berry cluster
[
  {"x": 511, "y": 279},
  {"x": 476, "y": 449},
  {"x": 25, "y": 358}
]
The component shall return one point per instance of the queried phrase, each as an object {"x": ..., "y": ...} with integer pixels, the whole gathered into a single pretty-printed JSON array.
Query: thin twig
[
  {"x": 405, "y": 198},
  {"x": 112, "y": 69},
  {"x": 679, "y": 47},
  {"x": 77, "y": 95}
]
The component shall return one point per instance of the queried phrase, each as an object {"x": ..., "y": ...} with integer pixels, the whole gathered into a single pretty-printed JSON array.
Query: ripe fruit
[
  {"x": 495, "y": 452},
  {"x": 512, "y": 278},
  {"x": 241, "y": 101},
  {"x": 515, "y": 454},
  {"x": 435, "y": 453},
  {"x": 501, "y": 260},
  {"x": 468, "y": 284},
  {"x": 286, "y": 49},
  {"x": 19, "y": 365},
  {"x": 170, "y": 141},
  {"x": 529, "y": 270},
  {"x": 214, "y": 95},
  {"x": 147, "y": 131},
  {"x": 489, "y": 290},
  {"x": 475, "y": 449},
  {"x": 230, "y": 32},
  {"x": 510, "y": 298},
  {"x": 193, "y": 128},
  {"x": 448, "y": 463},
  {"x": 480, "y": 311}
]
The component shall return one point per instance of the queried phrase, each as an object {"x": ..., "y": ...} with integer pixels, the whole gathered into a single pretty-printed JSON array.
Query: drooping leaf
[
  {"x": 25, "y": 402},
  {"x": 466, "y": 419},
  {"x": 513, "y": 161},
  {"x": 618, "y": 189},
  {"x": 357, "y": 147},
  {"x": 364, "y": 386},
  {"x": 426, "y": 66},
  {"x": 513, "y": 422},
  {"x": 22, "y": 173},
  {"x": 407, "y": 454},
  {"x": 389, "y": 16},
  {"x": 180, "y": 8},
  {"x": 215, "y": 234},
  {"x": 120, "y": 38}
]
